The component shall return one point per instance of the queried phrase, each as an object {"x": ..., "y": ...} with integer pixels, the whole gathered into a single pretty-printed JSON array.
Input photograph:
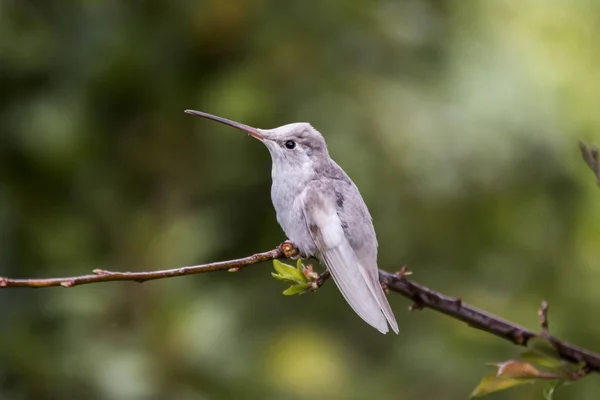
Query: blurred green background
[{"x": 458, "y": 120}]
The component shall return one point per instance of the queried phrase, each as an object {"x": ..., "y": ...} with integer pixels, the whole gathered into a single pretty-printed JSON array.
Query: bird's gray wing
[{"x": 353, "y": 280}]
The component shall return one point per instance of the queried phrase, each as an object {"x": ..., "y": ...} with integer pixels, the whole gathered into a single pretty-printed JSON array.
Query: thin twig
[
  {"x": 590, "y": 156},
  {"x": 543, "y": 314},
  {"x": 100, "y": 275},
  {"x": 421, "y": 295}
]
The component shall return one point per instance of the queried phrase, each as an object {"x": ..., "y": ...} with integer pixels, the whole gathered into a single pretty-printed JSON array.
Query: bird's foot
[{"x": 289, "y": 250}]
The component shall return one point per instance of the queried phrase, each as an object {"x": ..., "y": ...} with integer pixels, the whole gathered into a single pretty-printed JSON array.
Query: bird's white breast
[{"x": 287, "y": 200}]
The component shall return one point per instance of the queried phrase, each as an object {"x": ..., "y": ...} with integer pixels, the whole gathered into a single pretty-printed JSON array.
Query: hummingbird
[{"x": 323, "y": 214}]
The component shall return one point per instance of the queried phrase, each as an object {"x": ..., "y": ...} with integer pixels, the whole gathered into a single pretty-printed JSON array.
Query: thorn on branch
[
  {"x": 67, "y": 284},
  {"x": 3, "y": 282},
  {"x": 543, "y": 315},
  {"x": 590, "y": 156},
  {"x": 99, "y": 271}
]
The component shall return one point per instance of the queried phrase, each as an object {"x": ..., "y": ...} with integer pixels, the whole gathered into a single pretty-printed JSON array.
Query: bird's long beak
[{"x": 248, "y": 129}]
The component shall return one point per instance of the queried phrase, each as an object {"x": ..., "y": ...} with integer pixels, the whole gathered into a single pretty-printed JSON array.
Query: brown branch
[
  {"x": 100, "y": 275},
  {"x": 420, "y": 295},
  {"x": 590, "y": 156},
  {"x": 482, "y": 320}
]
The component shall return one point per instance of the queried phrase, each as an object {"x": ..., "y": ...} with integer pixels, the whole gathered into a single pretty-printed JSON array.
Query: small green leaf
[
  {"x": 288, "y": 272},
  {"x": 549, "y": 390},
  {"x": 492, "y": 383},
  {"x": 296, "y": 289},
  {"x": 281, "y": 278}
]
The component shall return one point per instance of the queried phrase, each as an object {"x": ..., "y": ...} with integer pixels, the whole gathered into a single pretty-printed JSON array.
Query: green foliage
[
  {"x": 540, "y": 353},
  {"x": 297, "y": 289},
  {"x": 301, "y": 278},
  {"x": 496, "y": 381}
]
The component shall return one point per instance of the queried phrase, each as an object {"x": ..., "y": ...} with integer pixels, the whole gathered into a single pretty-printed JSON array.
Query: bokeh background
[{"x": 458, "y": 121}]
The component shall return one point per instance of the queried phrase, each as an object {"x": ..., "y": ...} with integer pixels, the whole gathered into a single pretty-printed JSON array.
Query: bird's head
[{"x": 294, "y": 148}]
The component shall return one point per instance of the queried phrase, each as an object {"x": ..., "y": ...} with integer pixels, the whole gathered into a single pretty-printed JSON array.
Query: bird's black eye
[{"x": 290, "y": 144}]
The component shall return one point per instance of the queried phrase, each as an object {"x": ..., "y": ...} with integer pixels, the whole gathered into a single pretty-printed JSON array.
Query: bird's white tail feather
[
  {"x": 371, "y": 277},
  {"x": 354, "y": 287}
]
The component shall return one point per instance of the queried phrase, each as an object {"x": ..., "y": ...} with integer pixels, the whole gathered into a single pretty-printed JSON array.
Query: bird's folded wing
[{"x": 328, "y": 234}]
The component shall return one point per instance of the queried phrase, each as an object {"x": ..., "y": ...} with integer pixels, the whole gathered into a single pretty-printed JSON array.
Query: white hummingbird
[{"x": 323, "y": 214}]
